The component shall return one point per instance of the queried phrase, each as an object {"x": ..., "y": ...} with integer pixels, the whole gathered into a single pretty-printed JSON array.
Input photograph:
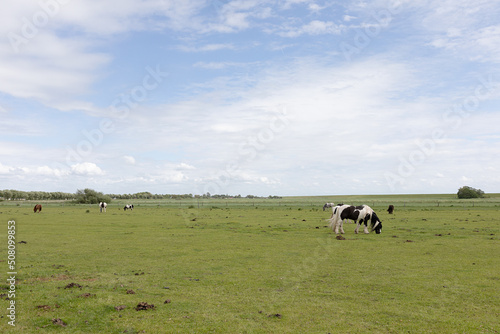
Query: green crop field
[{"x": 253, "y": 266}]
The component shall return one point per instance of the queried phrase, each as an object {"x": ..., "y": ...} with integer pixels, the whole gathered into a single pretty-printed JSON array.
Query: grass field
[{"x": 255, "y": 266}]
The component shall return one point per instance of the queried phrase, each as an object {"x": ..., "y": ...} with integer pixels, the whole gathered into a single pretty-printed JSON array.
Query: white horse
[
  {"x": 128, "y": 206},
  {"x": 102, "y": 206}
]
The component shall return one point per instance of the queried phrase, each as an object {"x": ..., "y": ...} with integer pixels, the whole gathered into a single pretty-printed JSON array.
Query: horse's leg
[
  {"x": 357, "y": 227},
  {"x": 366, "y": 225},
  {"x": 342, "y": 227},
  {"x": 338, "y": 225}
]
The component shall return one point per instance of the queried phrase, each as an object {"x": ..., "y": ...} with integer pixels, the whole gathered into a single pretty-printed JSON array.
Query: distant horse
[
  {"x": 128, "y": 206},
  {"x": 102, "y": 206},
  {"x": 391, "y": 209},
  {"x": 38, "y": 208}
]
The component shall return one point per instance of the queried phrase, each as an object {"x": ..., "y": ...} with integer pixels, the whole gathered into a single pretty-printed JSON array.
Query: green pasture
[{"x": 254, "y": 266}]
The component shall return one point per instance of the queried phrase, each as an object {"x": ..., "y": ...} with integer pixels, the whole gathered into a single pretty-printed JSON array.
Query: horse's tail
[{"x": 335, "y": 218}]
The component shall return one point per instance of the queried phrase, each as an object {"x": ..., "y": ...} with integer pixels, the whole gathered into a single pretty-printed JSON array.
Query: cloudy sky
[{"x": 261, "y": 97}]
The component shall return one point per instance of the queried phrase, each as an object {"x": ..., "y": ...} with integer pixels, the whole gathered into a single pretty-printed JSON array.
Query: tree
[
  {"x": 90, "y": 196},
  {"x": 469, "y": 192}
]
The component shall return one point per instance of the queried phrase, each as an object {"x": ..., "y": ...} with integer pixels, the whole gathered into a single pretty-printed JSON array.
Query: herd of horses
[
  {"x": 361, "y": 214},
  {"x": 102, "y": 207}
]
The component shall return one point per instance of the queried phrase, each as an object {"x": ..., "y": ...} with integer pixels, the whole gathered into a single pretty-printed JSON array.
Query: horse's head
[{"x": 376, "y": 224}]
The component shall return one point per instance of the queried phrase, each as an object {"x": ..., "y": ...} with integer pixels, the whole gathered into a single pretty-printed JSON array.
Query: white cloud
[
  {"x": 349, "y": 18},
  {"x": 86, "y": 168},
  {"x": 38, "y": 61},
  {"x": 467, "y": 29},
  {"x": 48, "y": 171},
  {"x": 207, "y": 47},
  {"x": 5, "y": 169},
  {"x": 315, "y": 27},
  {"x": 129, "y": 159},
  {"x": 217, "y": 65},
  {"x": 466, "y": 179},
  {"x": 289, "y": 3},
  {"x": 185, "y": 166}
]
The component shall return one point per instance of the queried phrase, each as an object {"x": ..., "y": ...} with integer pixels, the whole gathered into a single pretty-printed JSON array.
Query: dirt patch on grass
[
  {"x": 61, "y": 277},
  {"x": 143, "y": 306},
  {"x": 73, "y": 285},
  {"x": 87, "y": 295},
  {"x": 59, "y": 322}
]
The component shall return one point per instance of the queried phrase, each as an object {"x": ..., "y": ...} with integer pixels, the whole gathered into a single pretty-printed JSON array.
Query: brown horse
[{"x": 38, "y": 208}]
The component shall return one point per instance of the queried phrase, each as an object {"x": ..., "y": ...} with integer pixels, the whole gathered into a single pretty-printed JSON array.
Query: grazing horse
[
  {"x": 128, "y": 206},
  {"x": 391, "y": 209},
  {"x": 328, "y": 205},
  {"x": 37, "y": 208},
  {"x": 360, "y": 214},
  {"x": 102, "y": 206}
]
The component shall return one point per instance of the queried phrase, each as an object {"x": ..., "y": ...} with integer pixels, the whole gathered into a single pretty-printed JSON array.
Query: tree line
[
  {"x": 90, "y": 196},
  {"x": 9, "y": 194}
]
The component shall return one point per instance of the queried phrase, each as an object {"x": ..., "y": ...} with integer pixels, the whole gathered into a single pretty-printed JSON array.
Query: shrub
[
  {"x": 469, "y": 192},
  {"x": 89, "y": 196}
]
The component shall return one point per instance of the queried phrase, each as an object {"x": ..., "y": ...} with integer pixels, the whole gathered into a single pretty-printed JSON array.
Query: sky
[{"x": 250, "y": 97}]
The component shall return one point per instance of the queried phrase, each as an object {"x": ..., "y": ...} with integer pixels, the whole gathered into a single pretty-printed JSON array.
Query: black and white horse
[
  {"x": 128, "y": 206},
  {"x": 359, "y": 214},
  {"x": 102, "y": 206}
]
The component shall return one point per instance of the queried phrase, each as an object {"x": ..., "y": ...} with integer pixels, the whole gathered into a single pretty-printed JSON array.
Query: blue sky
[{"x": 276, "y": 97}]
